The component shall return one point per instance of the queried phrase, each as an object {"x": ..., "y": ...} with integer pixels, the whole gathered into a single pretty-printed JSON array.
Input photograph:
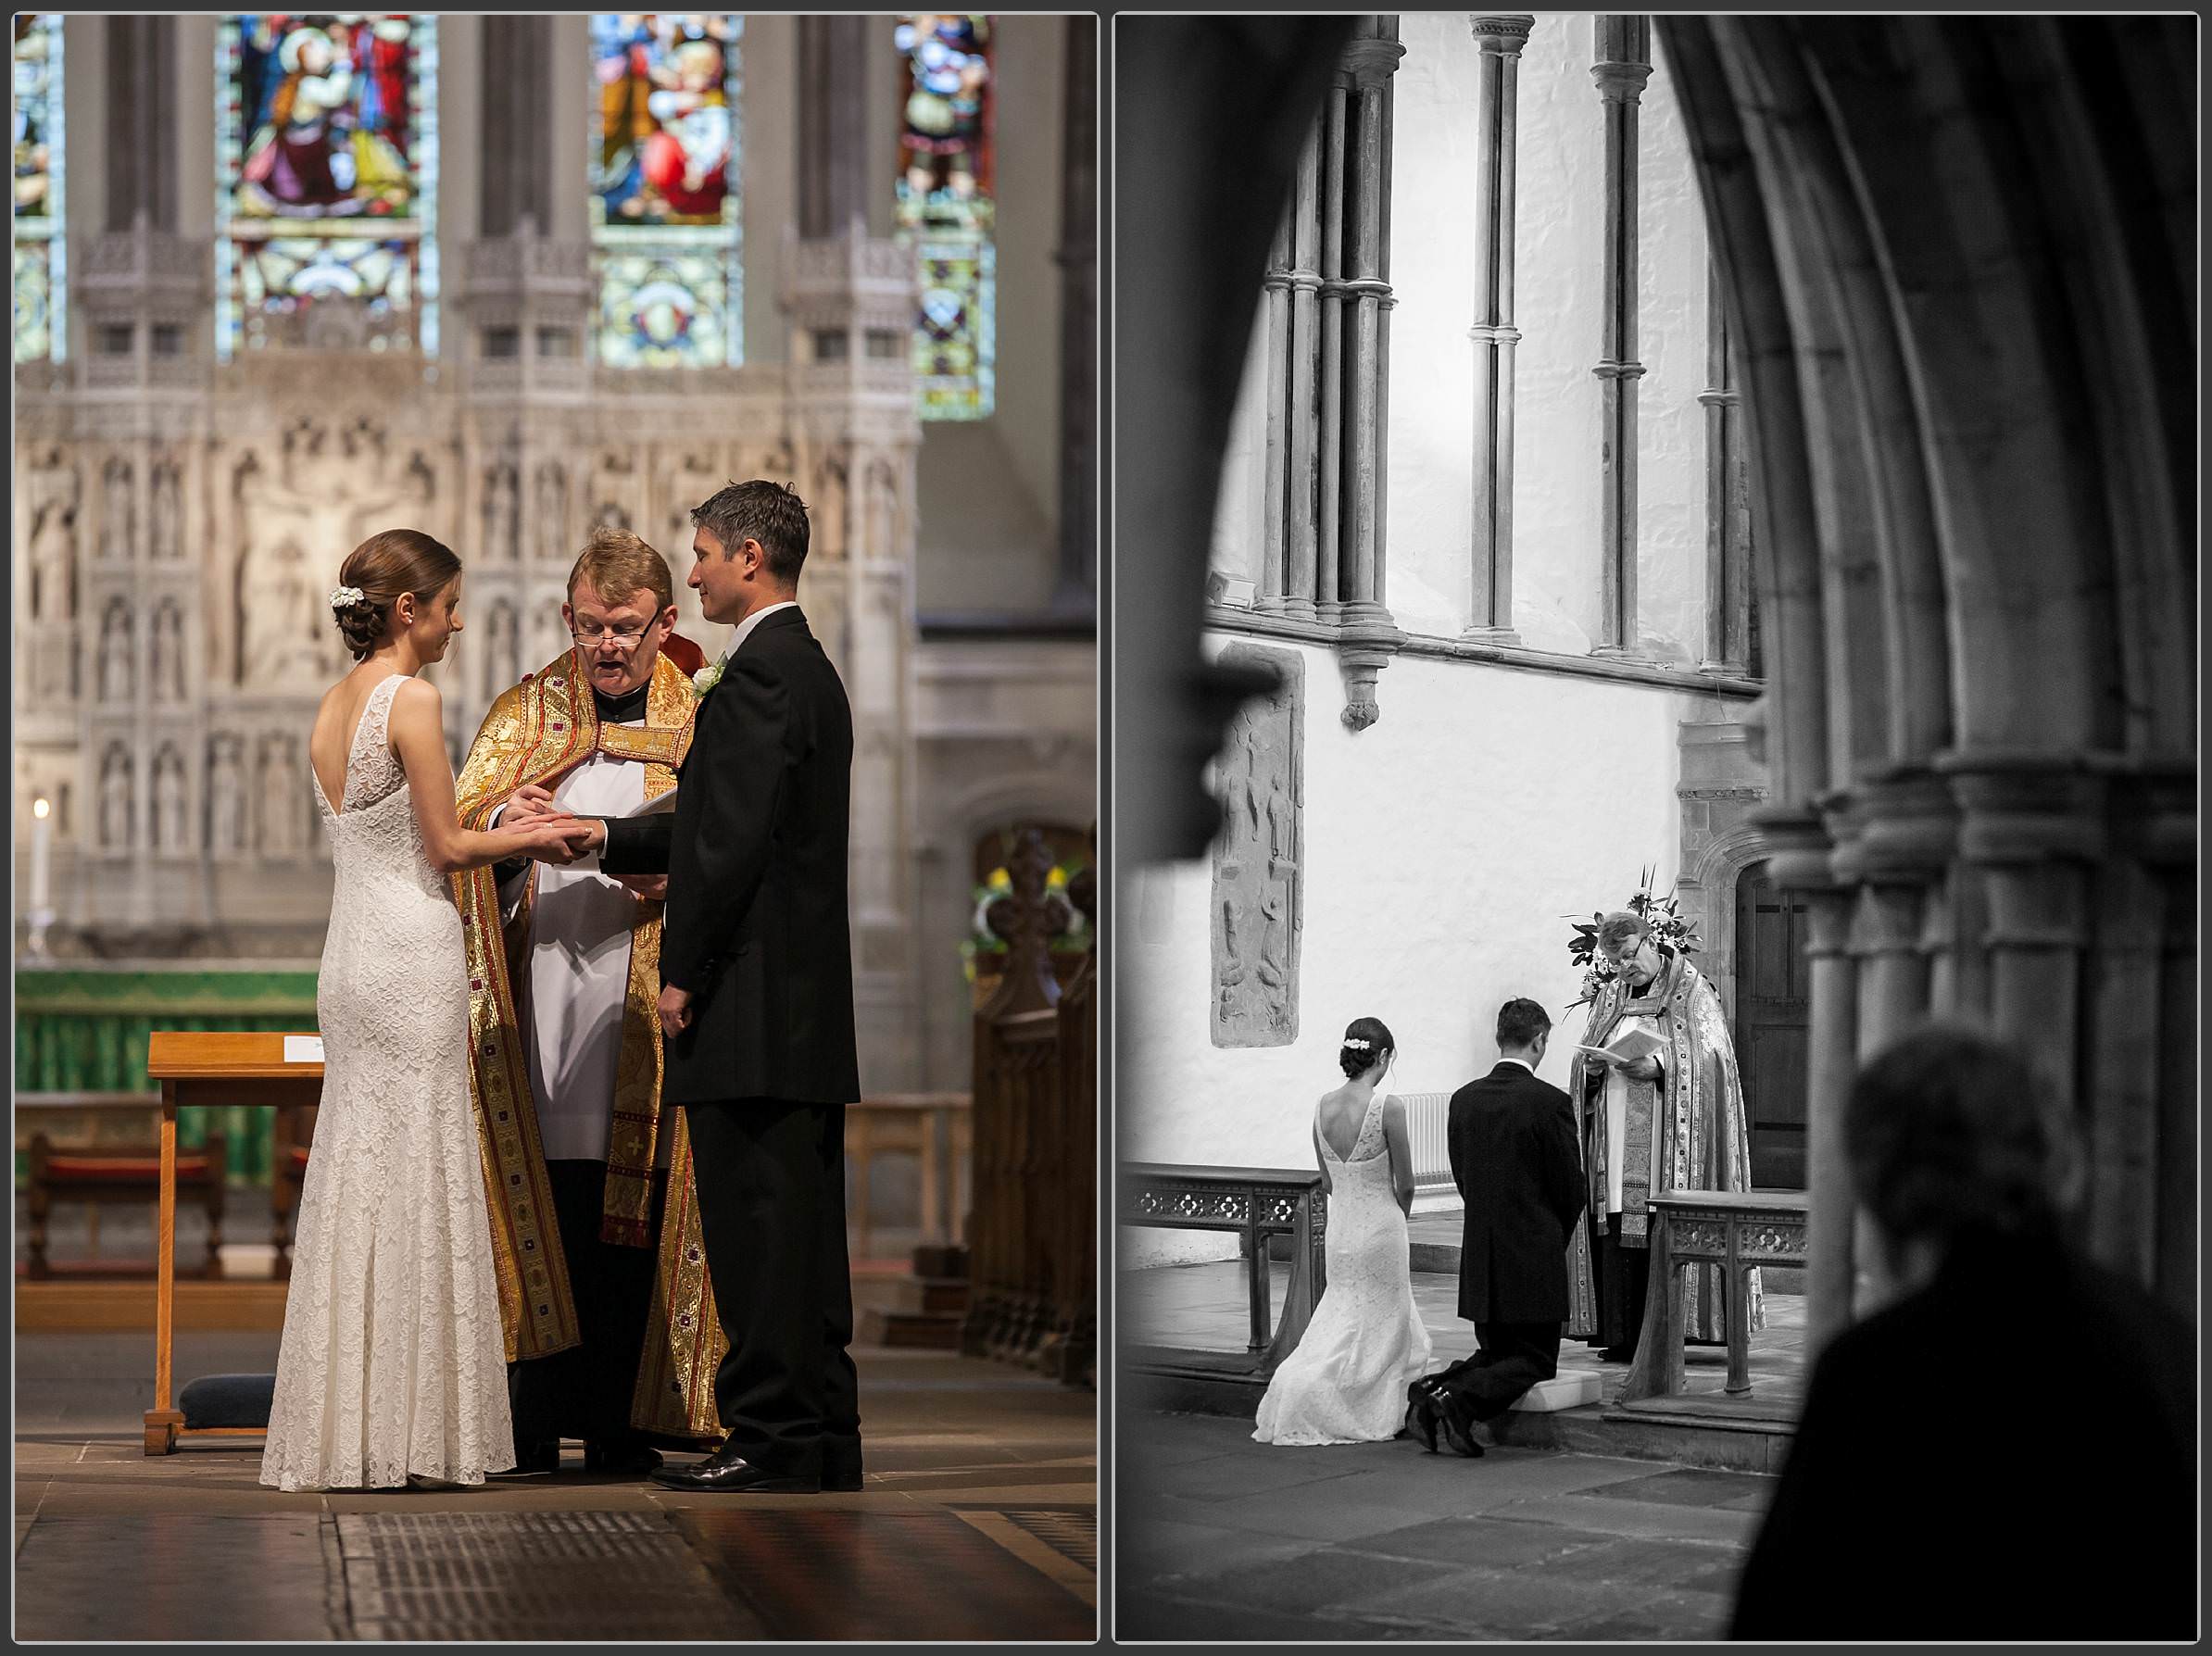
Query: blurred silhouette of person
[{"x": 1932, "y": 1492}]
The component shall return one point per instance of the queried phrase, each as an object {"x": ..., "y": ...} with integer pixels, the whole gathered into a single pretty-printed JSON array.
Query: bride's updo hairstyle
[
  {"x": 376, "y": 572},
  {"x": 1365, "y": 1041}
]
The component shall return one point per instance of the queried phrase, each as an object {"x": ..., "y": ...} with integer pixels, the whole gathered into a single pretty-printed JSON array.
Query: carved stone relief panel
[
  {"x": 883, "y": 513},
  {"x": 541, "y": 625},
  {"x": 166, "y": 657},
  {"x": 502, "y": 647},
  {"x": 298, "y": 512},
  {"x": 1258, "y": 891},
  {"x": 830, "y": 504},
  {"x": 615, "y": 483}
]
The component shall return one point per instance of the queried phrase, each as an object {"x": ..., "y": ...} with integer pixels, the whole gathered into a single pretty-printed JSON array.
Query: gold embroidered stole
[{"x": 535, "y": 733}]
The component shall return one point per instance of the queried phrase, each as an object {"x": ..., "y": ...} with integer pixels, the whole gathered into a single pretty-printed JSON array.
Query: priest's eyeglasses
[{"x": 591, "y": 637}]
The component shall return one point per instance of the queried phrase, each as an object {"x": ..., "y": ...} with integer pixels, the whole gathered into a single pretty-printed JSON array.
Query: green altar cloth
[{"x": 84, "y": 1030}]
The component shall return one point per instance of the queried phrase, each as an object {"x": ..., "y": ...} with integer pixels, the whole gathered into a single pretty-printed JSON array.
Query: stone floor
[
  {"x": 1204, "y": 1307},
  {"x": 978, "y": 1522},
  {"x": 1219, "y": 1538}
]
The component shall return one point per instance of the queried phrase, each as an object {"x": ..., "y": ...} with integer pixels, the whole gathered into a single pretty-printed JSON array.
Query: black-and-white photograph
[{"x": 1654, "y": 801}]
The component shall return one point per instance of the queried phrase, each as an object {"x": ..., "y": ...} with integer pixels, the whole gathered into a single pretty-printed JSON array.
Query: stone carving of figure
[
  {"x": 226, "y": 798},
  {"x": 502, "y": 651},
  {"x": 883, "y": 512},
  {"x": 167, "y": 526},
  {"x": 286, "y": 627},
  {"x": 499, "y": 513},
  {"x": 118, "y": 511},
  {"x": 115, "y": 801},
  {"x": 119, "y": 654},
  {"x": 168, "y": 802},
  {"x": 281, "y": 801},
  {"x": 54, "y": 542},
  {"x": 552, "y": 500},
  {"x": 294, "y": 525},
  {"x": 830, "y": 504},
  {"x": 168, "y": 664}
]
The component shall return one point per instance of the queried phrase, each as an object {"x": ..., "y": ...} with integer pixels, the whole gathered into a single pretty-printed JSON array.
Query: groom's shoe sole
[{"x": 1456, "y": 1433}]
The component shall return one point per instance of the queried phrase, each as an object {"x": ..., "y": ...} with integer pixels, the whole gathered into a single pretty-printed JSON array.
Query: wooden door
[{"x": 1771, "y": 1028}]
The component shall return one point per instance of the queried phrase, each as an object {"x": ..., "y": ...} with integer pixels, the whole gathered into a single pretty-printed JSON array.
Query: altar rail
[
  {"x": 1256, "y": 1203},
  {"x": 1032, "y": 1236}
]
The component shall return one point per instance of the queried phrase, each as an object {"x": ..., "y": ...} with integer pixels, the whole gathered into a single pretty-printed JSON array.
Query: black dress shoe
[
  {"x": 1456, "y": 1433},
  {"x": 624, "y": 1459},
  {"x": 727, "y": 1470},
  {"x": 1421, "y": 1414}
]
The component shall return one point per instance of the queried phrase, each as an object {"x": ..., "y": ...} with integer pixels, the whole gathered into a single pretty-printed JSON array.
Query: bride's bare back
[{"x": 329, "y": 742}]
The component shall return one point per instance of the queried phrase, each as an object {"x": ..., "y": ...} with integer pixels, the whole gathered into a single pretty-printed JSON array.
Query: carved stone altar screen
[{"x": 1257, "y": 905}]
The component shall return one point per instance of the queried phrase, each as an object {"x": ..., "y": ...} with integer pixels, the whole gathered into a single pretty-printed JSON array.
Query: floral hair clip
[
  {"x": 346, "y": 597},
  {"x": 1357, "y": 1043}
]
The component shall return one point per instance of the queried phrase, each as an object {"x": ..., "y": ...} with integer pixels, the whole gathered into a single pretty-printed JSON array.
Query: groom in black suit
[
  {"x": 1518, "y": 1166},
  {"x": 756, "y": 968}
]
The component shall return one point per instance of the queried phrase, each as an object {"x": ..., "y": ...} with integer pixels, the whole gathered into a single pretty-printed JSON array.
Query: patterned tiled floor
[{"x": 978, "y": 1523}]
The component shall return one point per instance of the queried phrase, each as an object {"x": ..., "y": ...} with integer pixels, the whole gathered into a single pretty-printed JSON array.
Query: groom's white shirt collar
[
  {"x": 745, "y": 627},
  {"x": 1522, "y": 1061}
]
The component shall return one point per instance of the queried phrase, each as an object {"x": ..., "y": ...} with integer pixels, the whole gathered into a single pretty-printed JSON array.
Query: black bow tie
[{"x": 620, "y": 710}]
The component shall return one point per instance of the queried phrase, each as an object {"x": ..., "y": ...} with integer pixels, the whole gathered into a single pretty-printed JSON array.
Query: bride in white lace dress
[
  {"x": 393, "y": 1364},
  {"x": 1345, "y": 1382}
]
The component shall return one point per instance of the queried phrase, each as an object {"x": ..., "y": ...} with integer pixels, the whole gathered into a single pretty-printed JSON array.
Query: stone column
[
  {"x": 142, "y": 117},
  {"x": 1799, "y": 858},
  {"x": 1728, "y": 500},
  {"x": 833, "y": 131},
  {"x": 1369, "y": 637},
  {"x": 1329, "y": 606},
  {"x": 1275, "y": 301},
  {"x": 1299, "y": 547},
  {"x": 515, "y": 102},
  {"x": 1497, "y": 105},
  {"x": 1079, "y": 585},
  {"x": 1624, "y": 64},
  {"x": 1900, "y": 831}
]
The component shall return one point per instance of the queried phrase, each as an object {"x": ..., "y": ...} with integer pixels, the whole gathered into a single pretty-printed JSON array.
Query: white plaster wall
[{"x": 1445, "y": 847}]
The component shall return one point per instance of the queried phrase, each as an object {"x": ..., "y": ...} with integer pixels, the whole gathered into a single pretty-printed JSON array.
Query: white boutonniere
[{"x": 707, "y": 676}]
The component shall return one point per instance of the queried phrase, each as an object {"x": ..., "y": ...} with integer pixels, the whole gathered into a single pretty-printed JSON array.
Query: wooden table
[
  {"x": 909, "y": 1122},
  {"x": 1738, "y": 1231},
  {"x": 209, "y": 1067},
  {"x": 1256, "y": 1203}
]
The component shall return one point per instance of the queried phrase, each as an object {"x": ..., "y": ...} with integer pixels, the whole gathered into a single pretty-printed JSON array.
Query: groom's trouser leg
[
  {"x": 770, "y": 1192},
  {"x": 1514, "y": 1356},
  {"x": 840, "y": 1380}
]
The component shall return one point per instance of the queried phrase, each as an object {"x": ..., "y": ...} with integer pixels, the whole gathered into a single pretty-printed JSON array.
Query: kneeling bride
[{"x": 1346, "y": 1382}]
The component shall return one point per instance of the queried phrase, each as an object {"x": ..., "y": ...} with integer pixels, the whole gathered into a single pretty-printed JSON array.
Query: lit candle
[{"x": 42, "y": 849}]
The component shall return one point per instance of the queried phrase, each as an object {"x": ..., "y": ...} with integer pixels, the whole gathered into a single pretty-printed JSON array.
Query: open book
[
  {"x": 655, "y": 807},
  {"x": 1632, "y": 1039}
]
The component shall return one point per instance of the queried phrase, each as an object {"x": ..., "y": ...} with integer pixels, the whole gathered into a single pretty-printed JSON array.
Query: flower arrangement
[
  {"x": 1661, "y": 914},
  {"x": 981, "y": 940}
]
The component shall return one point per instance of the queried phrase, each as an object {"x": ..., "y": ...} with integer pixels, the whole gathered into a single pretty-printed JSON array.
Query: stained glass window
[
  {"x": 946, "y": 210},
  {"x": 327, "y": 192},
  {"x": 665, "y": 189},
  {"x": 41, "y": 246}
]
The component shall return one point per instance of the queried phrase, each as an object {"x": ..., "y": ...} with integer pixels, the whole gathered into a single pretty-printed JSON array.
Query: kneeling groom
[{"x": 1516, "y": 1159}]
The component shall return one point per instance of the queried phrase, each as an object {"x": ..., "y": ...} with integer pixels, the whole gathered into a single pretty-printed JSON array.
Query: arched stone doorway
[{"x": 1771, "y": 1025}]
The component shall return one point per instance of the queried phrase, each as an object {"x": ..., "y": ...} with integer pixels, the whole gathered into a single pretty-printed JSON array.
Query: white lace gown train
[
  {"x": 393, "y": 1363},
  {"x": 1346, "y": 1381}
]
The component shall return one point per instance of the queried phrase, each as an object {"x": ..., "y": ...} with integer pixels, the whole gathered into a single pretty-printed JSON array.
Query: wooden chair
[
  {"x": 121, "y": 1176},
  {"x": 295, "y": 1130}
]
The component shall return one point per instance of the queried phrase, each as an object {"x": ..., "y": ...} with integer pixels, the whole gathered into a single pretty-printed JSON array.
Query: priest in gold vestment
[
  {"x": 607, "y": 1311},
  {"x": 1673, "y": 1120}
]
